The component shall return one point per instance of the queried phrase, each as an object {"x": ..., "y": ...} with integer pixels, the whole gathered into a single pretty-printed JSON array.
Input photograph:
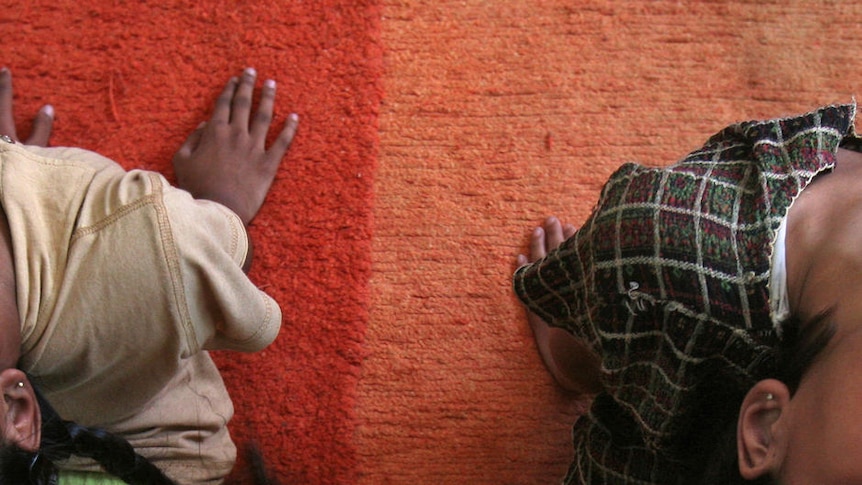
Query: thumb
[{"x": 192, "y": 141}]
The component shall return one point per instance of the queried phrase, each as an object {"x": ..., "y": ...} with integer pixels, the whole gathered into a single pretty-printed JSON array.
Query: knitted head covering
[{"x": 668, "y": 279}]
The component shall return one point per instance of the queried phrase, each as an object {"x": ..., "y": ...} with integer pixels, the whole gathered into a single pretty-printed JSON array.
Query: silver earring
[
  {"x": 769, "y": 397},
  {"x": 20, "y": 384}
]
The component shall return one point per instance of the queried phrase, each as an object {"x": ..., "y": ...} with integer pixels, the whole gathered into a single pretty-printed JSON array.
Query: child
[
  {"x": 711, "y": 308},
  {"x": 115, "y": 284}
]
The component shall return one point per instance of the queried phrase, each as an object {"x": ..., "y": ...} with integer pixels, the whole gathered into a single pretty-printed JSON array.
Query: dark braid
[
  {"x": 62, "y": 439},
  {"x": 19, "y": 466},
  {"x": 115, "y": 455}
]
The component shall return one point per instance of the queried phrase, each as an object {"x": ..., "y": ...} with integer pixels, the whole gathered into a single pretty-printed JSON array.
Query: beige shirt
[{"x": 122, "y": 284}]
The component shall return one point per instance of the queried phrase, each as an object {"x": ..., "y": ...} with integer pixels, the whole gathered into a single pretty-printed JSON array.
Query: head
[
  {"x": 34, "y": 438},
  {"x": 807, "y": 430},
  {"x": 778, "y": 433}
]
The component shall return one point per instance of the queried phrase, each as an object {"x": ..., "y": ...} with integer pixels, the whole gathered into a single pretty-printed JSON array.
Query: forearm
[{"x": 572, "y": 364}]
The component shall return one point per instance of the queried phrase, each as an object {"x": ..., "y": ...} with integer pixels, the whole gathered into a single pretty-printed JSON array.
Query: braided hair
[{"x": 62, "y": 439}]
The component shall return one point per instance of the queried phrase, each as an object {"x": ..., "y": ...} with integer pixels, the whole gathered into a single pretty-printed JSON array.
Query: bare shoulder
[
  {"x": 824, "y": 239},
  {"x": 848, "y": 157}
]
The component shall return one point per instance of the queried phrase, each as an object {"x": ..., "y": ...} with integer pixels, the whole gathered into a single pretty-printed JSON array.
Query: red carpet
[
  {"x": 496, "y": 114},
  {"x": 131, "y": 80}
]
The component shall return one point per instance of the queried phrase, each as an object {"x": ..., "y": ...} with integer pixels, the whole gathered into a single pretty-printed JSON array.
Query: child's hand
[
  {"x": 572, "y": 363},
  {"x": 42, "y": 124},
  {"x": 225, "y": 159}
]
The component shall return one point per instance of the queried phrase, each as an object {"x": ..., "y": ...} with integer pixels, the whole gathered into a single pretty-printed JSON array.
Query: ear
[
  {"x": 22, "y": 419},
  {"x": 759, "y": 440}
]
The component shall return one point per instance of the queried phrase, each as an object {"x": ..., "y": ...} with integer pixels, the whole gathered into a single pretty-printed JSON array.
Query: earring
[
  {"x": 769, "y": 396},
  {"x": 20, "y": 384}
]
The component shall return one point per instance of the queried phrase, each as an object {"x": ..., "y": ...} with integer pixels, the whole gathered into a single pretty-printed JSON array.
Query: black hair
[
  {"x": 801, "y": 344},
  {"x": 62, "y": 439},
  {"x": 257, "y": 471}
]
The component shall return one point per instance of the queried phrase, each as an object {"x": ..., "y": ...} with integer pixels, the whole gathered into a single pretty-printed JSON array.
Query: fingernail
[
  {"x": 294, "y": 117},
  {"x": 48, "y": 110},
  {"x": 250, "y": 71},
  {"x": 270, "y": 83},
  {"x": 538, "y": 231}
]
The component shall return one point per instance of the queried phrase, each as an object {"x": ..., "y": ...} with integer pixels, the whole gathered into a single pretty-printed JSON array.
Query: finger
[
  {"x": 241, "y": 106},
  {"x": 537, "y": 244},
  {"x": 284, "y": 139},
  {"x": 263, "y": 117},
  {"x": 42, "y": 125},
  {"x": 569, "y": 230},
  {"x": 191, "y": 143},
  {"x": 522, "y": 260},
  {"x": 7, "y": 120},
  {"x": 221, "y": 112},
  {"x": 554, "y": 232}
]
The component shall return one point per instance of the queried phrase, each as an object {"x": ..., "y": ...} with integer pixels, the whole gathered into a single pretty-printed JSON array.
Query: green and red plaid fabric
[{"x": 668, "y": 282}]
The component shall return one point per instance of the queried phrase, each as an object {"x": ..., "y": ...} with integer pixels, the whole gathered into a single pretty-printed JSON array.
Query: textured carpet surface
[
  {"x": 496, "y": 114},
  {"x": 499, "y": 113},
  {"x": 131, "y": 79}
]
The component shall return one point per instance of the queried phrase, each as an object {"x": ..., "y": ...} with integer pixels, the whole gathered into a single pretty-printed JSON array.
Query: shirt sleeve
[{"x": 226, "y": 310}]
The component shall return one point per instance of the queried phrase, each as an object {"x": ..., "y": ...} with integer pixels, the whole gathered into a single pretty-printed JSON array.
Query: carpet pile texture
[{"x": 434, "y": 136}]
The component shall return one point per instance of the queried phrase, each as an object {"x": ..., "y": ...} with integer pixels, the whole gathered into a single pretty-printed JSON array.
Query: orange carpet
[
  {"x": 499, "y": 113},
  {"x": 404, "y": 357},
  {"x": 131, "y": 79}
]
